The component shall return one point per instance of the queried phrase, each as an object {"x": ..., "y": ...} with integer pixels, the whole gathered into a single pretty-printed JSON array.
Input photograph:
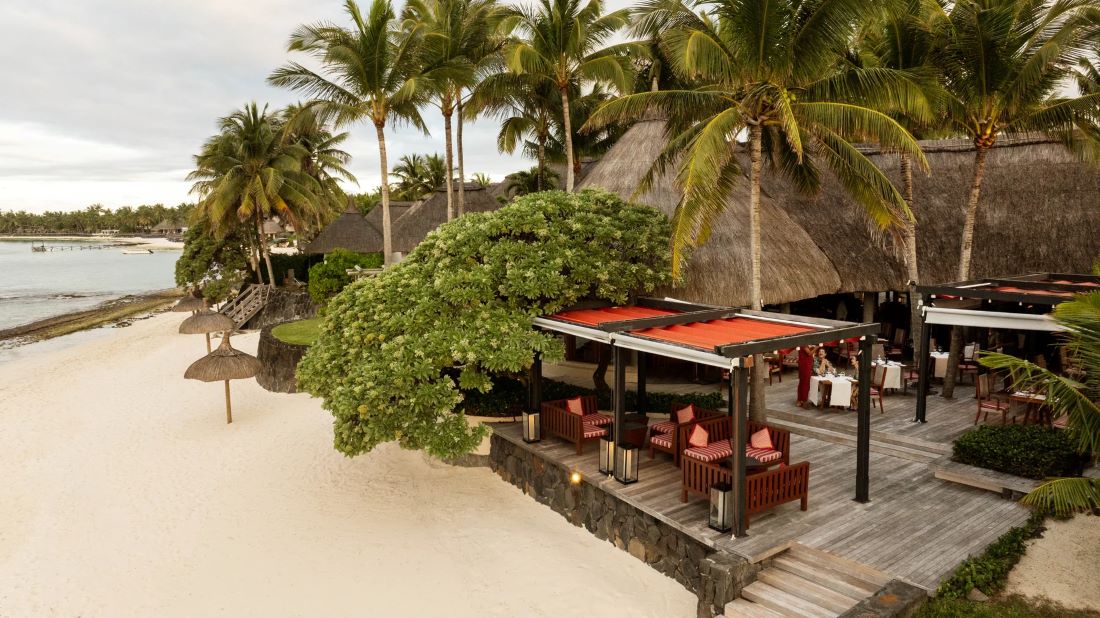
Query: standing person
[{"x": 805, "y": 369}]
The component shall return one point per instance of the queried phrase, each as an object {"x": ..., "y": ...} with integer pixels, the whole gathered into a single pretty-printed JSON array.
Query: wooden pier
[{"x": 43, "y": 248}]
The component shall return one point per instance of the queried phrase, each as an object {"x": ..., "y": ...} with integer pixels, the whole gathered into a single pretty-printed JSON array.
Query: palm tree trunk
[
  {"x": 387, "y": 228},
  {"x": 758, "y": 405},
  {"x": 264, "y": 250},
  {"x": 449, "y": 156},
  {"x": 964, "y": 265},
  {"x": 567, "y": 127},
  {"x": 461, "y": 168},
  {"x": 541, "y": 184},
  {"x": 911, "y": 257}
]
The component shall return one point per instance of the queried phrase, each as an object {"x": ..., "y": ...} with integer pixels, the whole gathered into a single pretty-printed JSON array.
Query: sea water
[{"x": 37, "y": 285}]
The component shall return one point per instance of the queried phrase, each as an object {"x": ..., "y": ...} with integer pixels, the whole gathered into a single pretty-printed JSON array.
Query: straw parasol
[
  {"x": 206, "y": 322},
  {"x": 222, "y": 365},
  {"x": 189, "y": 303}
]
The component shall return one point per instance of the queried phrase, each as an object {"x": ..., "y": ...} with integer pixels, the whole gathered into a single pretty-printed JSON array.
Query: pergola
[
  {"x": 1005, "y": 303},
  {"x": 716, "y": 336}
]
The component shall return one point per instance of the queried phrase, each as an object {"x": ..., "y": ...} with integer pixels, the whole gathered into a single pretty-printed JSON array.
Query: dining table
[
  {"x": 893, "y": 373},
  {"x": 836, "y": 389},
  {"x": 939, "y": 366},
  {"x": 1034, "y": 403}
]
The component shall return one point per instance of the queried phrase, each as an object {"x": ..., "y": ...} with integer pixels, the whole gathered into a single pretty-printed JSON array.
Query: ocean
[{"x": 34, "y": 286}]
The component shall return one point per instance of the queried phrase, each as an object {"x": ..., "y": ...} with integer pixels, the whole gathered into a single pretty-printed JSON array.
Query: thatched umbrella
[
  {"x": 189, "y": 303},
  {"x": 206, "y": 322},
  {"x": 222, "y": 365}
]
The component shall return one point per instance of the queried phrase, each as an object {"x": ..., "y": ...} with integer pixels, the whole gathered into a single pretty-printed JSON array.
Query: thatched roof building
[
  {"x": 167, "y": 227},
  {"x": 1038, "y": 213},
  {"x": 350, "y": 231},
  {"x": 430, "y": 213}
]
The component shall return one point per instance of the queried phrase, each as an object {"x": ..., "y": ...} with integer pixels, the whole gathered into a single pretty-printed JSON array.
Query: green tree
[
  {"x": 419, "y": 175},
  {"x": 396, "y": 350},
  {"x": 322, "y": 160},
  {"x": 771, "y": 70},
  {"x": 563, "y": 42},
  {"x": 1003, "y": 62},
  {"x": 370, "y": 71},
  {"x": 214, "y": 265},
  {"x": 534, "y": 180},
  {"x": 1077, "y": 399},
  {"x": 328, "y": 278},
  {"x": 482, "y": 180}
]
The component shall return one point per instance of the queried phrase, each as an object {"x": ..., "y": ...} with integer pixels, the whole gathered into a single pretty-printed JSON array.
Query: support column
[
  {"x": 619, "y": 394},
  {"x": 922, "y": 382},
  {"x": 863, "y": 428},
  {"x": 869, "y": 301},
  {"x": 534, "y": 384},
  {"x": 642, "y": 399},
  {"x": 739, "y": 385}
]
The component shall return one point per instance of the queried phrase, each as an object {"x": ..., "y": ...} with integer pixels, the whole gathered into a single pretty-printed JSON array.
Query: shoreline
[
  {"x": 152, "y": 243},
  {"x": 111, "y": 312}
]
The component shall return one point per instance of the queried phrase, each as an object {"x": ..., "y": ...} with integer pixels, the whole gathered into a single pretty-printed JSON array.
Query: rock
[
  {"x": 636, "y": 548},
  {"x": 977, "y": 595}
]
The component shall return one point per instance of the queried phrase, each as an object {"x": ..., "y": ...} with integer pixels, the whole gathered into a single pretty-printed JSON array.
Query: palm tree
[
  {"x": 529, "y": 181},
  {"x": 419, "y": 175},
  {"x": 482, "y": 180},
  {"x": 323, "y": 160},
  {"x": 371, "y": 71},
  {"x": 248, "y": 173},
  {"x": 771, "y": 69},
  {"x": 1079, "y": 401},
  {"x": 589, "y": 144},
  {"x": 1003, "y": 62},
  {"x": 561, "y": 42}
]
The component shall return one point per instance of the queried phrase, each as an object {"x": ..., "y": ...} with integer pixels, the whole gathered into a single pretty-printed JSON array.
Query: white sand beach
[
  {"x": 1061, "y": 565},
  {"x": 124, "y": 493}
]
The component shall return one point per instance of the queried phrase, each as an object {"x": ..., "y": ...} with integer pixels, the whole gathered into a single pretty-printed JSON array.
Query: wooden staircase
[
  {"x": 806, "y": 583},
  {"x": 246, "y": 305}
]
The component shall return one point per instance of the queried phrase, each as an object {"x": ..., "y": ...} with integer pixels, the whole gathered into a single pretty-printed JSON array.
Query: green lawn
[
  {"x": 302, "y": 332},
  {"x": 1010, "y": 607}
]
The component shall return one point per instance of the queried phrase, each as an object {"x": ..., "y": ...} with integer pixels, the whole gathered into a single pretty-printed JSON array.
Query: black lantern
[
  {"x": 607, "y": 455},
  {"x": 626, "y": 463},
  {"x": 721, "y": 507},
  {"x": 532, "y": 428}
]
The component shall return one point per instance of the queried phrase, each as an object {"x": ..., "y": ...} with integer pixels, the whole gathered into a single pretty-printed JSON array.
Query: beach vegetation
[
  {"x": 396, "y": 351},
  {"x": 1030, "y": 451},
  {"x": 215, "y": 266},
  {"x": 330, "y": 277},
  {"x": 298, "y": 332}
]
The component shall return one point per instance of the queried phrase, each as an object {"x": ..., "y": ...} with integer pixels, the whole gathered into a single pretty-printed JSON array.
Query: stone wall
[
  {"x": 716, "y": 577},
  {"x": 278, "y": 362},
  {"x": 283, "y": 305}
]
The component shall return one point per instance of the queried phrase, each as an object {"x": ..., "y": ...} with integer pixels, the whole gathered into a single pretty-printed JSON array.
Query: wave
[{"x": 51, "y": 296}]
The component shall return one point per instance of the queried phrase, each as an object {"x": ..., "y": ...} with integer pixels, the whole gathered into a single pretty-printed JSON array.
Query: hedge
[
  {"x": 1031, "y": 451},
  {"x": 989, "y": 570},
  {"x": 509, "y": 398}
]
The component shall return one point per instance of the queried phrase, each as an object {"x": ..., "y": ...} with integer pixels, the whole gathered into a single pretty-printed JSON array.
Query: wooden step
[
  {"x": 808, "y": 590},
  {"x": 742, "y": 608},
  {"x": 861, "y": 573},
  {"x": 783, "y": 602},
  {"x": 831, "y": 579}
]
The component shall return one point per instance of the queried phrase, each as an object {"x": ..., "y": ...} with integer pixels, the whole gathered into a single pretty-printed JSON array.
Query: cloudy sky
[{"x": 106, "y": 101}]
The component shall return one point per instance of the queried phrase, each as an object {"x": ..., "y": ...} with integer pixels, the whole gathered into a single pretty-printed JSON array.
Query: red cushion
[
  {"x": 764, "y": 455},
  {"x": 685, "y": 415},
  {"x": 663, "y": 440},
  {"x": 596, "y": 418},
  {"x": 712, "y": 452},
  {"x": 699, "y": 437},
  {"x": 592, "y": 431},
  {"x": 761, "y": 439},
  {"x": 574, "y": 405},
  {"x": 663, "y": 427}
]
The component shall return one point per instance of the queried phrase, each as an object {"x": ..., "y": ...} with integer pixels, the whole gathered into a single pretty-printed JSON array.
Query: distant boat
[
  {"x": 38, "y": 248},
  {"x": 137, "y": 251}
]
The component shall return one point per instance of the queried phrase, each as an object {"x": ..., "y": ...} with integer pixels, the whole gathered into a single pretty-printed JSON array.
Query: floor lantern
[
  {"x": 626, "y": 464},
  {"x": 607, "y": 455},
  {"x": 721, "y": 507},
  {"x": 532, "y": 427}
]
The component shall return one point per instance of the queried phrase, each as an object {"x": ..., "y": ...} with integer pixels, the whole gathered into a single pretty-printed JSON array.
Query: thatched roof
[
  {"x": 167, "y": 226},
  {"x": 1037, "y": 213},
  {"x": 224, "y": 363},
  {"x": 350, "y": 231},
  {"x": 272, "y": 226},
  {"x": 429, "y": 214},
  {"x": 207, "y": 321}
]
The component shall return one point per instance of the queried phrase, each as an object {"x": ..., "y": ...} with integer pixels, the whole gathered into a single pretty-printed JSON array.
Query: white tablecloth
[
  {"x": 841, "y": 390},
  {"x": 893, "y": 374},
  {"x": 940, "y": 360}
]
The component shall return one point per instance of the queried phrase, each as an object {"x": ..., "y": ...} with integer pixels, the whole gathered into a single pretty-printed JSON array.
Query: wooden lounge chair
[
  {"x": 670, "y": 436},
  {"x": 989, "y": 401},
  {"x": 590, "y": 424},
  {"x": 762, "y": 491}
]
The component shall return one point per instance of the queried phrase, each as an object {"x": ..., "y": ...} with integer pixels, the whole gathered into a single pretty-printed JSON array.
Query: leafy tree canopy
[
  {"x": 396, "y": 351},
  {"x": 328, "y": 278},
  {"x": 215, "y": 265}
]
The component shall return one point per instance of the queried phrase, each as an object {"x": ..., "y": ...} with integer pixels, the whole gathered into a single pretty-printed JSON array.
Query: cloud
[{"x": 106, "y": 101}]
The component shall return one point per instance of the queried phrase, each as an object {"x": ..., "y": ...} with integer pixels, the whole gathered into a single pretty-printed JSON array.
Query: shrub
[
  {"x": 509, "y": 398},
  {"x": 396, "y": 351},
  {"x": 1031, "y": 451},
  {"x": 328, "y": 278},
  {"x": 989, "y": 571}
]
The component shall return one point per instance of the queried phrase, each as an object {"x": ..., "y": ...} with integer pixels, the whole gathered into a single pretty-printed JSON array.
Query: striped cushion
[
  {"x": 764, "y": 455},
  {"x": 597, "y": 419},
  {"x": 661, "y": 439},
  {"x": 665, "y": 427},
  {"x": 711, "y": 452},
  {"x": 592, "y": 431}
]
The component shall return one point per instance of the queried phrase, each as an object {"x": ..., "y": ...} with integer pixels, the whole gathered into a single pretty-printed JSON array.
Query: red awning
[
  {"x": 605, "y": 315},
  {"x": 1030, "y": 292},
  {"x": 713, "y": 333}
]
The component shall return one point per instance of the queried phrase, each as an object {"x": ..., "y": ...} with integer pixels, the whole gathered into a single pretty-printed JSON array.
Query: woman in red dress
[{"x": 805, "y": 370}]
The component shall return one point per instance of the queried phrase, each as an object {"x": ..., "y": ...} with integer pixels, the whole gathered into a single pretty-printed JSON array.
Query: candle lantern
[
  {"x": 721, "y": 507},
  {"x": 532, "y": 427},
  {"x": 607, "y": 455},
  {"x": 626, "y": 463}
]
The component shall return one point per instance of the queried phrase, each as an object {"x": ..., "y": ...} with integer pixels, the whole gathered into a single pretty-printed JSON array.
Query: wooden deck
[{"x": 916, "y": 527}]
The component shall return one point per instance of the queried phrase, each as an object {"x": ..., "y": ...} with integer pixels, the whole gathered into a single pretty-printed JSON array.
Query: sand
[
  {"x": 1061, "y": 566},
  {"x": 124, "y": 493}
]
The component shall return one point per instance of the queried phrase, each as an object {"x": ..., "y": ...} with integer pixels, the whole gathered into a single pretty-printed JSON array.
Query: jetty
[{"x": 43, "y": 248}]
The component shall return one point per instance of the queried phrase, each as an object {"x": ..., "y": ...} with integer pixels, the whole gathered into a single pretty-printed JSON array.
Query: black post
[
  {"x": 738, "y": 439},
  {"x": 534, "y": 384},
  {"x": 863, "y": 429},
  {"x": 922, "y": 380},
  {"x": 642, "y": 401},
  {"x": 619, "y": 394}
]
